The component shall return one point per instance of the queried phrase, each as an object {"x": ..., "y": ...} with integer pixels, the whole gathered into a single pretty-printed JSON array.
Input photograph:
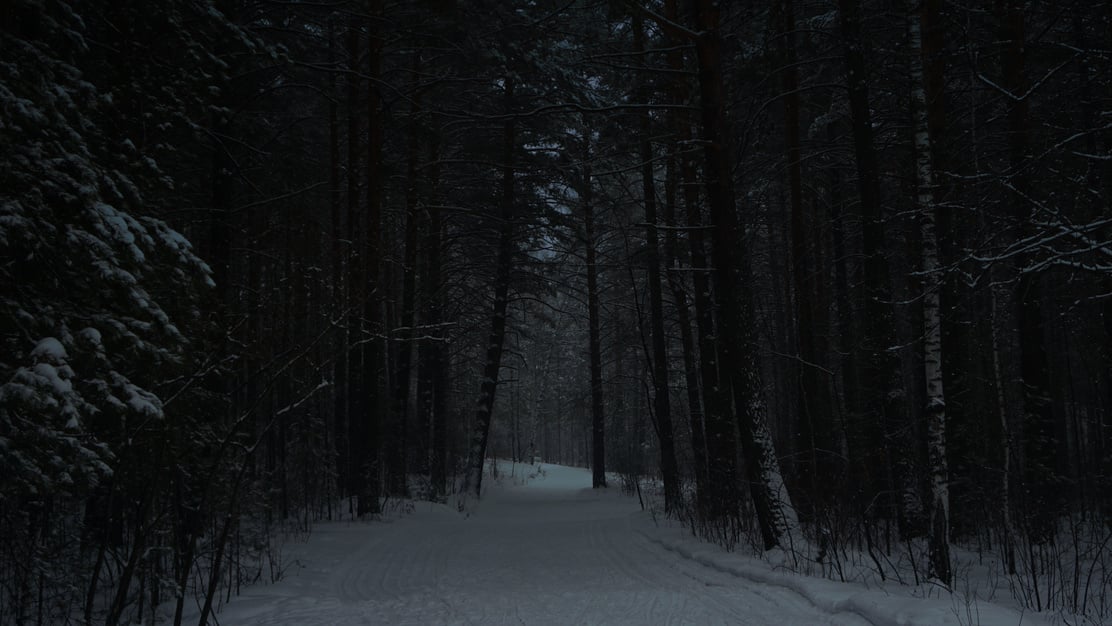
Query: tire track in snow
[
  {"x": 349, "y": 582},
  {"x": 628, "y": 549},
  {"x": 772, "y": 595},
  {"x": 397, "y": 571},
  {"x": 602, "y": 545},
  {"x": 603, "y": 593}
]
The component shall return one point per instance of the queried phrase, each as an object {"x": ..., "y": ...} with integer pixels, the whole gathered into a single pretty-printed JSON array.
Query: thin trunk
[
  {"x": 353, "y": 262},
  {"x": 1045, "y": 494},
  {"x": 880, "y": 366},
  {"x": 437, "y": 361},
  {"x": 373, "y": 353},
  {"x": 598, "y": 415},
  {"x": 662, "y": 405},
  {"x": 340, "y": 438},
  {"x": 94, "y": 579},
  {"x": 473, "y": 477},
  {"x": 231, "y": 519},
  {"x": 1003, "y": 414},
  {"x": 429, "y": 346},
  {"x": 138, "y": 551},
  {"x": 932, "y": 317},
  {"x": 683, "y": 318},
  {"x": 396, "y": 450},
  {"x": 849, "y": 400},
  {"x": 737, "y": 349},
  {"x": 223, "y": 384},
  {"x": 724, "y": 497},
  {"x": 220, "y": 220},
  {"x": 813, "y": 404}
]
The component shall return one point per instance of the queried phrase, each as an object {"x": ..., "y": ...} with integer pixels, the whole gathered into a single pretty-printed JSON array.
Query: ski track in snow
[{"x": 551, "y": 552}]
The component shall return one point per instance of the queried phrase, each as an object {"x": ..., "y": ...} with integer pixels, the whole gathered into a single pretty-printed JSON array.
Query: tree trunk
[
  {"x": 339, "y": 435},
  {"x": 473, "y": 476},
  {"x": 1045, "y": 495},
  {"x": 939, "y": 526},
  {"x": 138, "y": 552},
  {"x": 353, "y": 273},
  {"x": 883, "y": 402},
  {"x": 679, "y": 295},
  {"x": 723, "y": 495},
  {"x": 396, "y": 449},
  {"x": 662, "y": 405},
  {"x": 366, "y": 397},
  {"x": 814, "y": 418},
  {"x": 431, "y": 375},
  {"x": 598, "y": 415},
  {"x": 737, "y": 348}
]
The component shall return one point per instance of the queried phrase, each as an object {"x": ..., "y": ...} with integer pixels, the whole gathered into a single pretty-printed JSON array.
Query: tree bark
[
  {"x": 339, "y": 434},
  {"x": 722, "y": 497},
  {"x": 431, "y": 370},
  {"x": 939, "y": 525},
  {"x": 883, "y": 403},
  {"x": 1037, "y": 434},
  {"x": 737, "y": 347},
  {"x": 353, "y": 399},
  {"x": 662, "y": 405},
  {"x": 813, "y": 402},
  {"x": 598, "y": 415},
  {"x": 473, "y": 476},
  {"x": 396, "y": 450},
  {"x": 367, "y": 396},
  {"x": 683, "y": 318}
]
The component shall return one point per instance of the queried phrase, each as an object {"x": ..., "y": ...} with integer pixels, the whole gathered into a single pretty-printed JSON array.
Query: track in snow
[{"x": 551, "y": 552}]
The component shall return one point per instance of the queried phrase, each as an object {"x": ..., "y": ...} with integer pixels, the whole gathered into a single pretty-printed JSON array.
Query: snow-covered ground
[{"x": 550, "y": 550}]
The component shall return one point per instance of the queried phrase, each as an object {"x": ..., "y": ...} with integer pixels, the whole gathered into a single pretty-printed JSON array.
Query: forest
[{"x": 832, "y": 277}]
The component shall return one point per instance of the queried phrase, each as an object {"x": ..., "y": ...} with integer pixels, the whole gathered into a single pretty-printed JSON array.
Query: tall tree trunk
[
  {"x": 1007, "y": 370},
  {"x": 939, "y": 537},
  {"x": 435, "y": 398},
  {"x": 880, "y": 366},
  {"x": 683, "y": 318},
  {"x": 662, "y": 405},
  {"x": 848, "y": 402},
  {"x": 473, "y": 476},
  {"x": 429, "y": 316},
  {"x": 999, "y": 298},
  {"x": 339, "y": 434},
  {"x": 396, "y": 449},
  {"x": 1045, "y": 493},
  {"x": 737, "y": 347},
  {"x": 353, "y": 400},
  {"x": 813, "y": 402},
  {"x": 366, "y": 397},
  {"x": 598, "y": 415},
  {"x": 723, "y": 494}
]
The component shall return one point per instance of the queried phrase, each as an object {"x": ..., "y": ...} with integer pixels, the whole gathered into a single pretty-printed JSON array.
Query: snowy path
[{"x": 551, "y": 552}]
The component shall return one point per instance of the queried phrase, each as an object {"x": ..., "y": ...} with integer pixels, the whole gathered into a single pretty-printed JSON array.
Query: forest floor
[{"x": 542, "y": 547}]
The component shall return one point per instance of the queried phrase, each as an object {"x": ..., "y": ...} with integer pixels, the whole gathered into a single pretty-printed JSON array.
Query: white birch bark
[
  {"x": 932, "y": 318},
  {"x": 785, "y": 519}
]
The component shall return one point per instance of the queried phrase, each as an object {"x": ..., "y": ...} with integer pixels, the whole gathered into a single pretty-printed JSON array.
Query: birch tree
[{"x": 932, "y": 317}]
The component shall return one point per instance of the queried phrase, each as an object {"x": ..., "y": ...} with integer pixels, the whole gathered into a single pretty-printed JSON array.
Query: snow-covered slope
[{"x": 553, "y": 551}]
